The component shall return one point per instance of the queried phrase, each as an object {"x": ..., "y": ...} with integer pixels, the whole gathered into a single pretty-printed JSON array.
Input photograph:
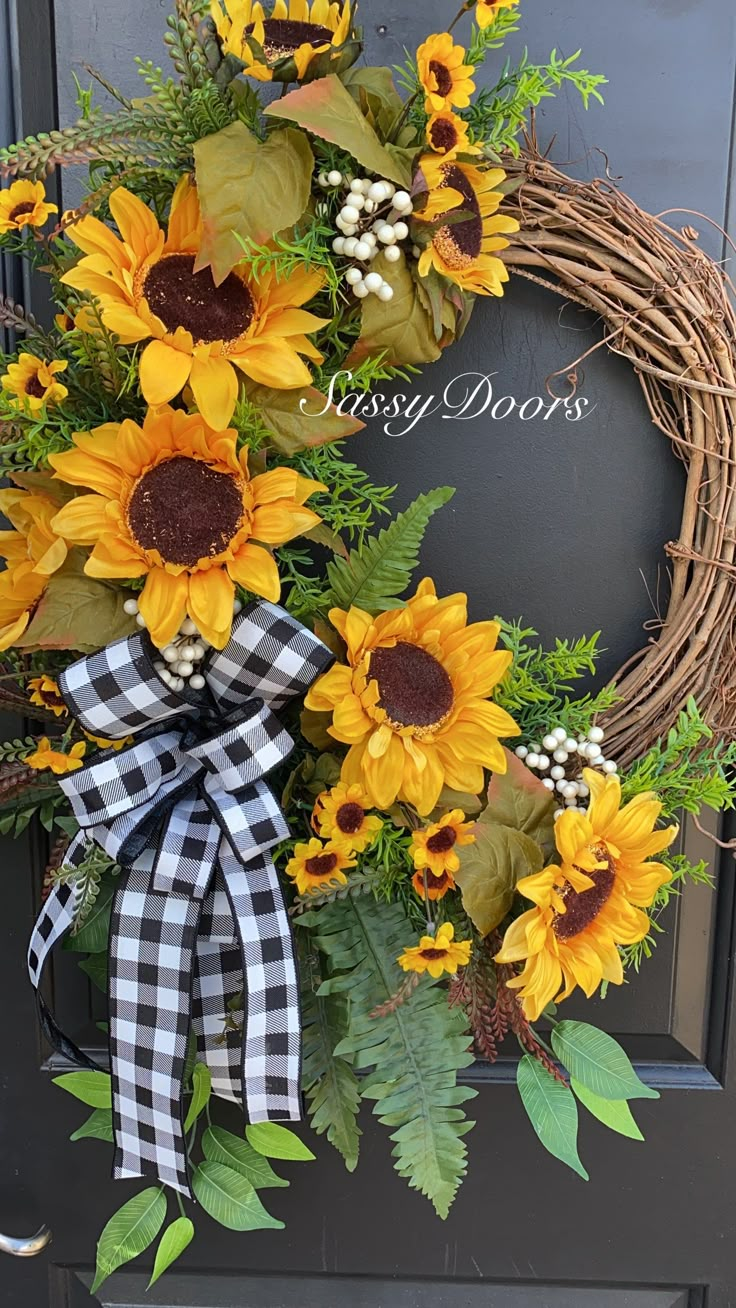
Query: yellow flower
[
  {"x": 487, "y": 10},
  {"x": 434, "y": 847},
  {"x": 147, "y": 287},
  {"x": 447, "y": 134},
  {"x": 46, "y": 693},
  {"x": 291, "y": 38},
  {"x": 412, "y": 701},
  {"x": 103, "y": 743},
  {"x": 590, "y": 904},
  {"x": 463, "y": 251},
  {"x": 446, "y": 79},
  {"x": 315, "y": 866},
  {"x": 429, "y": 886},
  {"x": 33, "y": 552},
  {"x": 437, "y": 954},
  {"x": 24, "y": 205},
  {"x": 174, "y": 502},
  {"x": 46, "y": 757},
  {"x": 31, "y": 380},
  {"x": 340, "y": 816}
]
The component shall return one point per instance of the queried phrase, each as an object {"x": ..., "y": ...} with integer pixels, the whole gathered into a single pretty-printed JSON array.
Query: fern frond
[{"x": 330, "y": 1084}]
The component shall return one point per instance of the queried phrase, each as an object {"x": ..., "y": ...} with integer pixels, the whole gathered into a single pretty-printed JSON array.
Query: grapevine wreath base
[{"x": 318, "y": 839}]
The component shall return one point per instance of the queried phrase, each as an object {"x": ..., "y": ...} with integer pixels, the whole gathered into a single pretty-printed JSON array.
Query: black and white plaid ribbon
[{"x": 198, "y": 918}]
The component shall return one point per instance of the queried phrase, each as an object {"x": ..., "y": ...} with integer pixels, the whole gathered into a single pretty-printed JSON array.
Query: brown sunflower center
[
  {"x": 35, "y": 387},
  {"x": 413, "y": 687},
  {"x": 27, "y": 206},
  {"x": 433, "y": 953},
  {"x": 442, "y": 76},
  {"x": 349, "y": 818},
  {"x": 459, "y": 243},
  {"x": 583, "y": 906},
  {"x": 442, "y": 840},
  {"x": 321, "y": 865},
  {"x": 52, "y": 699},
  {"x": 443, "y": 135},
  {"x": 282, "y": 36},
  {"x": 181, "y": 297},
  {"x": 444, "y": 880},
  {"x": 185, "y": 510}
]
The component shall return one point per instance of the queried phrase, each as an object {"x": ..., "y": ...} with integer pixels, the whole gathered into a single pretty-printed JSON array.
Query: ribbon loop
[{"x": 244, "y": 753}]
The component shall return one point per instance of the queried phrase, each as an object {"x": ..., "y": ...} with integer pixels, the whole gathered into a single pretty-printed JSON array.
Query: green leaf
[
  {"x": 552, "y": 1111},
  {"x": 175, "y": 1239},
  {"x": 96, "y": 968},
  {"x": 375, "y": 575},
  {"x": 97, "y": 1127},
  {"x": 229, "y": 1198},
  {"x": 400, "y": 331},
  {"x": 129, "y": 1232},
  {"x": 92, "y": 937},
  {"x": 248, "y": 190},
  {"x": 330, "y": 1084},
  {"x": 516, "y": 798},
  {"x": 490, "y": 869},
  {"x": 221, "y": 1146},
  {"x": 613, "y": 1113},
  {"x": 274, "y": 1141},
  {"x": 292, "y": 418},
  {"x": 201, "y": 1091},
  {"x": 374, "y": 92},
  {"x": 76, "y": 612},
  {"x": 326, "y": 109},
  {"x": 412, "y": 1055},
  {"x": 93, "y": 1088},
  {"x": 598, "y": 1062}
]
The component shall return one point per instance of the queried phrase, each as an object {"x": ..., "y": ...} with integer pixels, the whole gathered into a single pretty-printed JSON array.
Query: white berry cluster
[
  {"x": 371, "y": 219},
  {"x": 561, "y": 757},
  {"x": 181, "y": 658}
]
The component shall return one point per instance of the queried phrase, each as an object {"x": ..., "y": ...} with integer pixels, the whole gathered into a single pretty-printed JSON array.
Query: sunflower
[
  {"x": 437, "y": 954},
  {"x": 33, "y": 552},
  {"x": 46, "y": 693},
  {"x": 446, "y": 79},
  {"x": 341, "y": 815},
  {"x": 447, "y": 134},
  {"x": 433, "y": 848},
  {"x": 462, "y": 250},
  {"x": 173, "y": 502},
  {"x": 45, "y": 757},
  {"x": 24, "y": 205},
  {"x": 412, "y": 701},
  {"x": 315, "y": 865},
  {"x": 286, "y": 46},
  {"x": 147, "y": 286},
  {"x": 487, "y": 10},
  {"x": 590, "y": 904},
  {"x": 31, "y": 381}
]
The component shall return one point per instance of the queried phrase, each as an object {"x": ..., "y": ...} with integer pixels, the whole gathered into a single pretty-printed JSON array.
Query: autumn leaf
[
  {"x": 296, "y": 419},
  {"x": 399, "y": 329}
]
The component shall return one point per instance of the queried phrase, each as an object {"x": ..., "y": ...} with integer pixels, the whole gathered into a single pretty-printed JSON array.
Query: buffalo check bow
[{"x": 198, "y": 918}]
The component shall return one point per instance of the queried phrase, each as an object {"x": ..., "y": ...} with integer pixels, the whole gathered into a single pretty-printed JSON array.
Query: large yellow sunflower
[
  {"x": 286, "y": 44},
  {"x": 147, "y": 286},
  {"x": 33, "y": 552},
  {"x": 590, "y": 904},
  {"x": 463, "y": 250},
  {"x": 446, "y": 78},
  {"x": 33, "y": 382},
  {"x": 412, "y": 701},
  {"x": 173, "y": 502},
  {"x": 24, "y": 205}
]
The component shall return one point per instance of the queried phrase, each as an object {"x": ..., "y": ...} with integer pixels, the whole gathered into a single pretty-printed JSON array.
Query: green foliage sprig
[{"x": 538, "y": 689}]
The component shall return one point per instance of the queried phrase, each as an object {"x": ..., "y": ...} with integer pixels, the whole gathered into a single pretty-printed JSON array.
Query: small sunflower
[
  {"x": 24, "y": 205},
  {"x": 33, "y": 551},
  {"x": 437, "y": 954},
  {"x": 341, "y": 815},
  {"x": 316, "y": 865},
  {"x": 31, "y": 381},
  {"x": 290, "y": 43},
  {"x": 147, "y": 287},
  {"x": 46, "y": 693},
  {"x": 434, "y": 848},
  {"x": 447, "y": 80},
  {"x": 174, "y": 502},
  {"x": 412, "y": 700},
  {"x": 463, "y": 251},
  {"x": 590, "y": 904},
  {"x": 487, "y": 10},
  {"x": 428, "y": 886},
  {"x": 447, "y": 134},
  {"x": 45, "y": 757}
]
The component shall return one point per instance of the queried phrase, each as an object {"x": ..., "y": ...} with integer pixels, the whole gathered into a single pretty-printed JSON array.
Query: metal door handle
[{"x": 25, "y": 1248}]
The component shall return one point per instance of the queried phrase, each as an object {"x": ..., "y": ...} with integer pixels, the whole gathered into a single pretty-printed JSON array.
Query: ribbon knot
[{"x": 198, "y": 916}]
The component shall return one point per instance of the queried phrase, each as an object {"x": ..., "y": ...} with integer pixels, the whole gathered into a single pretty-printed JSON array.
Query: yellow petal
[
  {"x": 210, "y": 605},
  {"x": 214, "y": 383},
  {"x": 163, "y": 602},
  {"x": 83, "y": 520},
  {"x": 163, "y": 372},
  {"x": 255, "y": 569}
]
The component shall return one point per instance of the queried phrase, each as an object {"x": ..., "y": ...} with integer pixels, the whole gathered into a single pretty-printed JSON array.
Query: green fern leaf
[
  {"x": 412, "y": 1055},
  {"x": 329, "y": 1083},
  {"x": 373, "y": 576}
]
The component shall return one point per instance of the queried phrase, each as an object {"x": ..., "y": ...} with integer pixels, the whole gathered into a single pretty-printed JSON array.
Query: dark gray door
[{"x": 562, "y": 523}]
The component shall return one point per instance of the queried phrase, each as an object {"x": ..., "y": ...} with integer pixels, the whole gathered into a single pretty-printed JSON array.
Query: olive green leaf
[
  {"x": 174, "y": 1241},
  {"x": 518, "y": 799},
  {"x": 230, "y": 1199},
  {"x": 129, "y": 1231},
  {"x": 276, "y": 1141},
  {"x": 490, "y": 869},
  {"x": 613, "y": 1113},
  {"x": 552, "y": 1111},
  {"x": 248, "y": 190},
  {"x": 92, "y": 1088},
  {"x": 598, "y": 1062},
  {"x": 399, "y": 330},
  {"x": 97, "y": 1127},
  {"x": 299, "y": 420},
  {"x": 76, "y": 612}
]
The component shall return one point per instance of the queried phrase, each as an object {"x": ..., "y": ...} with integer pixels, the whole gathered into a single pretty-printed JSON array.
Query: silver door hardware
[{"x": 25, "y": 1248}]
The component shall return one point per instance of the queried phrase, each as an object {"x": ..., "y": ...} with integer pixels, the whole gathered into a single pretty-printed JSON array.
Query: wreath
[{"x": 320, "y": 843}]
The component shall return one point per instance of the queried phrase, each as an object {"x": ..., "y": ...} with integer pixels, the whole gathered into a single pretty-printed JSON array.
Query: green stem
[{"x": 182, "y": 1213}]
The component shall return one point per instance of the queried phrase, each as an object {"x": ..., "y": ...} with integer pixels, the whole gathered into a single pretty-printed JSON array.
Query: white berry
[
  {"x": 402, "y": 200},
  {"x": 570, "y": 791},
  {"x": 353, "y": 276},
  {"x": 338, "y": 245},
  {"x": 609, "y": 766},
  {"x": 334, "y": 177},
  {"x": 350, "y": 214},
  {"x": 131, "y": 607},
  {"x": 543, "y": 763},
  {"x": 401, "y": 231},
  {"x": 363, "y": 250},
  {"x": 546, "y": 781},
  {"x": 374, "y": 282},
  {"x": 521, "y": 751},
  {"x": 560, "y": 756},
  {"x": 197, "y": 681},
  {"x": 140, "y": 620},
  {"x": 386, "y": 293},
  {"x": 558, "y": 812},
  {"x": 559, "y": 734},
  {"x": 550, "y": 742},
  {"x": 557, "y": 772},
  {"x": 386, "y": 234},
  {"x": 377, "y": 192},
  {"x": 532, "y": 760},
  {"x": 360, "y": 289},
  {"x": 393, "y": 253},
  {"x": 571, "y": 745},
  {"x": 596, "y": 734}
]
